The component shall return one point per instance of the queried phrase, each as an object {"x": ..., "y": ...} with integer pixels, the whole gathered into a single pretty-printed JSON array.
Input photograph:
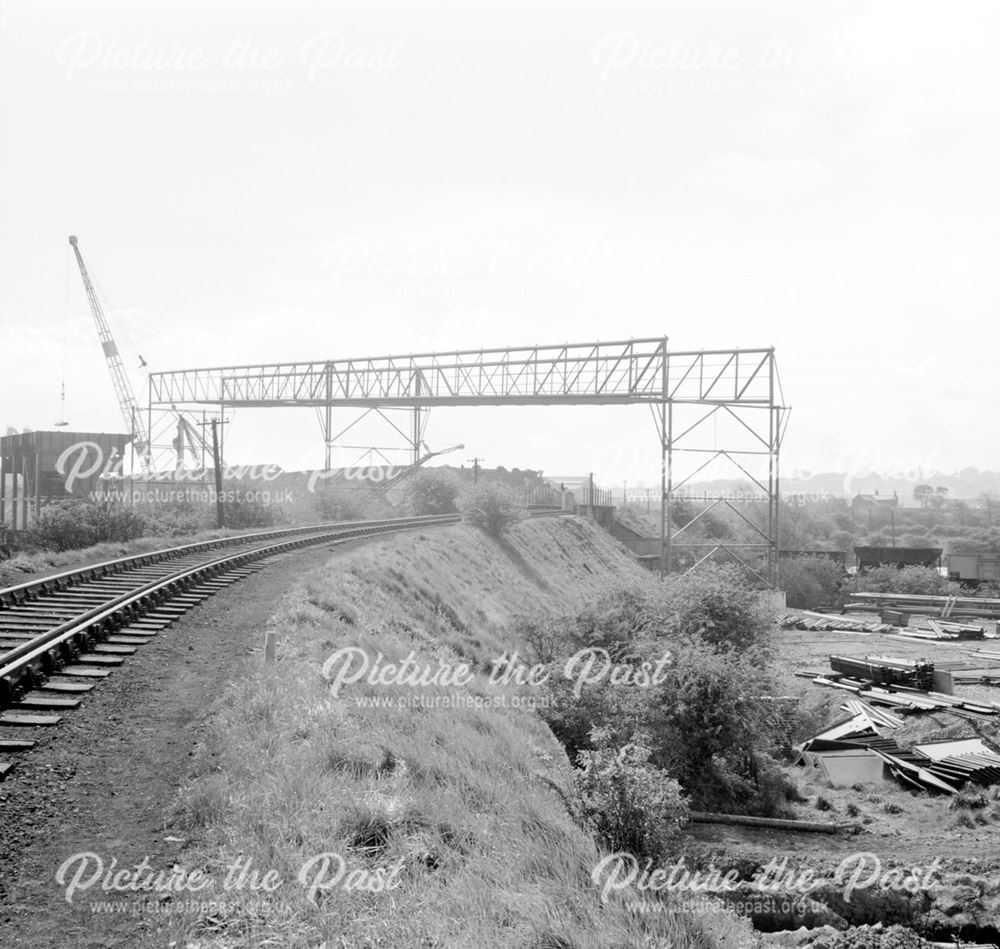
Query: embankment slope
[{"x": 459, "y": 806}]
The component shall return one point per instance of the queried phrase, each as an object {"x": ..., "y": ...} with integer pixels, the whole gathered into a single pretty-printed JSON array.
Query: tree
[
  {"x": 707, "y": 638},
  {"x": 492, "y": 507},
  {"x": 717, "y": 605},
  {"x": 711, "y": 726},
  {"x": 433, "y": 491},
  {"x": 811, "y": 581}
]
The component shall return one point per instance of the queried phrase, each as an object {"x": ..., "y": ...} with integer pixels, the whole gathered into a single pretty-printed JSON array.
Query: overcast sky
[{"x": 295, "y": 180}]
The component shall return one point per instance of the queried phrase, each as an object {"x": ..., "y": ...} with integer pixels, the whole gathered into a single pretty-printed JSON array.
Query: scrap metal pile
[
  {"x": 860, "y": 754},
  {"x": 855, "y": 749},
  {"x": 902, "y": 684}
]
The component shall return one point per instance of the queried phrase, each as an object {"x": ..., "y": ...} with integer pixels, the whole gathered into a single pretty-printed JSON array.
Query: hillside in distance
[{"x": 967, "y": 484}]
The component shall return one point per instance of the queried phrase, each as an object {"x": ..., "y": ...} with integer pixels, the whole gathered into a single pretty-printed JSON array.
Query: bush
[
  {"x": 432, "y": 491},
  {"x": 629, "y": 804},
  {"x": 811, "y": 581},
  {"x": 246, "y": 513},
  {"x": 712, "y": 728},
  {"x": 177, "y": 518},
  {"x": 340, "y": 505},
  {"x": 911, "y": 580},
  {"x": 717, "y": 605},
  {"x": 492, "y": 507},
  {"x": 70, "y": 524},
  {"x": 62, "y": 525}
]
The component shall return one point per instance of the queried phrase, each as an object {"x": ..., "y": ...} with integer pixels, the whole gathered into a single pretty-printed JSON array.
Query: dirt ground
[{"x": 103, "y": 779}]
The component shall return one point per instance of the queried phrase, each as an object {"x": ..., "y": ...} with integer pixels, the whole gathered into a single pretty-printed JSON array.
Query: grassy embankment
[{"x": 467, "y": 802}]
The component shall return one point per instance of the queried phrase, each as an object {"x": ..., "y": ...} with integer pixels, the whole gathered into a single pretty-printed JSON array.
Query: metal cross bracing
[
  {"x": 740, "y": 385},
  {"x": 631, "y": 371}
]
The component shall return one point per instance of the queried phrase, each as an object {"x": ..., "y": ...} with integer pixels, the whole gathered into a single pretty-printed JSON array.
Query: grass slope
[{"x": 461, "y": 807}]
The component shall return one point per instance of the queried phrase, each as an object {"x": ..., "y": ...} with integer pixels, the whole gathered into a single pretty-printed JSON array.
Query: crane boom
[
  {"x": 407, "y": 472},
  {"x": 123, "y": 386}
]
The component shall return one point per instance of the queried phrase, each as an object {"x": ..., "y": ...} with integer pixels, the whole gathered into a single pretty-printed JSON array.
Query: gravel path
[{"x": 103, "y": 779}]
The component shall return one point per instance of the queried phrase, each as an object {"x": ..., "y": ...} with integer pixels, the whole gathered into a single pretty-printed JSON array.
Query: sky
[{"x": 255, "y": 182}]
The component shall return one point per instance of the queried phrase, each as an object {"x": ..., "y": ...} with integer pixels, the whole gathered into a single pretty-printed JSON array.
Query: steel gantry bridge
[{"x": 685, "y": 390}]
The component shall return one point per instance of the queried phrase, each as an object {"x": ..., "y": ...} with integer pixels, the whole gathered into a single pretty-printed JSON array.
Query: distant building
[{"x": 874, "y": 502}]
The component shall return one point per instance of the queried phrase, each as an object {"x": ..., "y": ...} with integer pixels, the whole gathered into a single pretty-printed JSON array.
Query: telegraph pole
[
  {"x": 217, "y": 462},
  {"x": 475, "y": 468},
  {"x": 219, "y": 510}
]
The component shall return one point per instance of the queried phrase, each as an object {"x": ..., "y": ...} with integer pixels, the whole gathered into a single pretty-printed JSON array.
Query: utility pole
[
  {"x": 217, "y": 462},
  {"x": 219, "y": 511},
  {"x": 475, "y": 468},
  {"x": 892, "y": 521}
]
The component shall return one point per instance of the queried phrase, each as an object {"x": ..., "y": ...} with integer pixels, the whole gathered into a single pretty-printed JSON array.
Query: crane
[
  {"x": 382, "y": 489},
  {"x": 123, "y": 386}
]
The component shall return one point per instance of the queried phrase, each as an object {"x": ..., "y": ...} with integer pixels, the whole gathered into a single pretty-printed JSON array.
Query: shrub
[
  {"x": 811, "y": 581},
  {"x": 115, "y": 521},
  {"x": 713, "y": 731},
  {"x": 629, "y": 804},
  {"x": 912, "y": 580},
  {"x": 177, "y": 518},
  {"x": 245, "y": 512},
  {"x": 717, "y": 604},
  {"x": 708, "y": 724},
  {"x": 969, "y": 799},
  {"x": 340, "y": 505},
  {"x": 573, "y": 717},
  {"x": 432, "y": 491},
  {"x": 62, "y": 525},
  {"x": 492, "y": 507},
  {"x": 70, "y": 524}
]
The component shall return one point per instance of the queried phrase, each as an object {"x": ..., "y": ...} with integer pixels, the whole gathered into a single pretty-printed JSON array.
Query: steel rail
[{"x": 26, "y": 667}]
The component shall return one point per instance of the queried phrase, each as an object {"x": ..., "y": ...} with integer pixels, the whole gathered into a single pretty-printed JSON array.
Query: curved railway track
[{"x": 60, "y": 634}]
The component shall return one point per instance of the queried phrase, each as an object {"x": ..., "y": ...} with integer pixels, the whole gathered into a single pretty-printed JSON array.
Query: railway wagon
[{"x": 974, "y": 569}]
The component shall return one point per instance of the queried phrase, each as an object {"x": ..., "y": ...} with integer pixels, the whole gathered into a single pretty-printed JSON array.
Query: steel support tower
[{"x": 690, "y": 393}]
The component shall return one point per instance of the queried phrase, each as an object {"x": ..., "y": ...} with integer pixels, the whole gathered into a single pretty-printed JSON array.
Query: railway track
[{"x": 61, "y": 634}]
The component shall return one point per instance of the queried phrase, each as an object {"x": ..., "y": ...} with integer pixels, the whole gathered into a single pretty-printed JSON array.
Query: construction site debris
[{"x": 854, "y": 750}]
